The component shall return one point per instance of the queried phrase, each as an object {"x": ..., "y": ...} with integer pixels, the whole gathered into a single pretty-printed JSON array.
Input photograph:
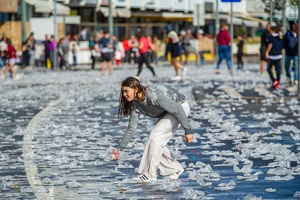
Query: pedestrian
[
  {"x": 144, "y": 45},
  {"x": 171, "y": 109},
  {"x": 31, "y": 42},
  {"x": 239, "y": 54},
  {"x": 263, "y": 47},
  {"x": 3, "y": 48},
  {"x": 290, "y": 43},
  {"x": 46, "y": 52},
  {"x": 106, "y": 53},
  {"x": 74, "y": 55},
  {"x": 134, "y": 49},
  {"x": 173, "y": 43},
  {"x": 274, "y": 54},
  {"x": 93, "y": 56},
  {"x": 158, "y": 49},
  {"x": 118, "y": 54},
  {"x": 61, "y": 54},
  {"x": 52, "y": 50},
  {"x": 223, "y": 39},
  {"x": 126, "y": 46},
  {"x": 11, "y": 53}
]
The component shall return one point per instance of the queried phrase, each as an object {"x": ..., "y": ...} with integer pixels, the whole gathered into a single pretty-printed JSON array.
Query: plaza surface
[{"x": 58, "y": 129}]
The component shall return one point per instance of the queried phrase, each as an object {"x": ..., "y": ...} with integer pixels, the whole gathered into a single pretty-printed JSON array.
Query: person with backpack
[{"x": 290, "y": 43}]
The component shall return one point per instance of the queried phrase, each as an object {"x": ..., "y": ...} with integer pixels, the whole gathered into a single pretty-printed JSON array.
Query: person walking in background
[
  {"x": 52, "y": 50},
  {"x": 263, "y": 47},
  {"x": 126, "y": 46},
  {"x": 223, "y": 39},
  {"x": 74, "y": 55},
  {"x": 31, "y": 42},
  {"x": 106, "y": 53},
  {"x": 134, "y": 49},
  {"x": 290, "y": 43},
  {"x": 173, "y": 43},
  {"x": 239, "y": 54},
  {"x": 144, "y": 45},
  {"x": 3, "y": 48},
  {"x": 171, "y": 109},
  {"x": 274, "y": 54},
  {"x": 46, "y": 52},
  {"x": 93, "y": 56},
  {"x": 12, "y": 59},
  {"x": 158, "y": 50},
  {"x": 61, "y": 54}
]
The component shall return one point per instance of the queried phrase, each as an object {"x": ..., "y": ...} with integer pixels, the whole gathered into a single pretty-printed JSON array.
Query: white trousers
[{"x": 156, "y": 155}]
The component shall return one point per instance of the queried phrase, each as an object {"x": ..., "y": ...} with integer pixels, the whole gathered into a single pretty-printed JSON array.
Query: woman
[
  {"x": 144, "y": 45},
  {"x": 175, "y": 52},
  {"x": 171, "y": 109},
  {"x": 12, "y": 59}
]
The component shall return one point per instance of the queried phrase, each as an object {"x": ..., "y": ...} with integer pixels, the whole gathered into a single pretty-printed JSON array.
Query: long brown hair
[{"x": 126, "y": 106}]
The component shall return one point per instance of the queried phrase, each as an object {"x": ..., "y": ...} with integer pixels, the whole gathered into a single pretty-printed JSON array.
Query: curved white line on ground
[{"x": 30, "y": 167}]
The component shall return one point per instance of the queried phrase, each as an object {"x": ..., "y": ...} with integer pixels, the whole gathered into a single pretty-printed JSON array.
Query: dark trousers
[
  {"x": 277, "y": 65},
  {"x": 127, "y": 56},
  {"x": 26, "y": 58},
  {"x": 144, "y": 59},
  {"x": 93, "y": 61},
  {"x": 240, "y": 60}
]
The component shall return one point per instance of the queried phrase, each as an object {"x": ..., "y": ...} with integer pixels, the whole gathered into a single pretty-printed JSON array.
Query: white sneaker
[
  {"x": 2, "y": 77},
  {"x": 16, "y": 77},
  {"x": 176, "y": 78},
  {"x": 143, "y": 178},
  {"x": 176, "y": 174},
  {"x": 184, "y": 71},
  {"x": 296, "y": 82}
]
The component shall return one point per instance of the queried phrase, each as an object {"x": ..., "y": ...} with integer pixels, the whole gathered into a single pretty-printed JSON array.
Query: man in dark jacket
[{"x": 290, "y": 42}]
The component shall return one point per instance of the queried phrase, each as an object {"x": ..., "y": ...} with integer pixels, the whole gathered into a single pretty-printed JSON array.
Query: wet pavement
[{"x": 57, "y": 130}]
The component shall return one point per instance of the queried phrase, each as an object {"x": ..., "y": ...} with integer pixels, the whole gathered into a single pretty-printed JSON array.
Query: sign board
[
  {"x": 198, "y": 15},
  {"x": 10, "y": 6}
]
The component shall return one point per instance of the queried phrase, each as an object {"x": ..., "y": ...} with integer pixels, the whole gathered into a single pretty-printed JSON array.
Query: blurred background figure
[
  {"x": 263, "y": 47},
  {"x": 11, "y": 54},
  {"x": 239, "y": 54},
  {"x": 290, "y": 42},
  {"x": 223, "y": 39}
]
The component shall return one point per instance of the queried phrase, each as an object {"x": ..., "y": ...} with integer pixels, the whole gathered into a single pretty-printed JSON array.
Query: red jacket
[
  {"x": 126, "y": 45},
  {"x": 223, "y": 38},
  {"x": 11, "y": 51}
]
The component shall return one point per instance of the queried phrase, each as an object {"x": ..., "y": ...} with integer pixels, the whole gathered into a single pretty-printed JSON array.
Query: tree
[{"x": 278, "y": 4}]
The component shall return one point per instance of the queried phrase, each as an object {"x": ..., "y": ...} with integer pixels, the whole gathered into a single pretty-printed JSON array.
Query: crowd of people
[{"x": 140, "y": 49}]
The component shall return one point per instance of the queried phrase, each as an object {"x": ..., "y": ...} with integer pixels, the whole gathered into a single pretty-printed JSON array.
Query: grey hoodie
[{"x": 159, "y": 100}]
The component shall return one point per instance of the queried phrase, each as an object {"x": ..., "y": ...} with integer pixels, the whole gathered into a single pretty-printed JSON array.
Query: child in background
[
  {"x": 274, "y": 55},
  {"x": 239, "y": 54},
  {"x": 11, "y": 53},
  {"x": 118, "y": 54}
]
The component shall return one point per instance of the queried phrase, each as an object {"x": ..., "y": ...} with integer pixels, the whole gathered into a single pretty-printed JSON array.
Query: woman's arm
[{"x": 270, "y": 45}]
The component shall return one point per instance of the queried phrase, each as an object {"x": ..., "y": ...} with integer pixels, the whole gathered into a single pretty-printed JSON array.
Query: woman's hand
[
  {"x": 189, "y": 138},
  {"x": 115, "y": 154}
]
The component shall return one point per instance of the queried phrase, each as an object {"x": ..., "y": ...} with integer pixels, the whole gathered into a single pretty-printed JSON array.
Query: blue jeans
[
  {"x": 224, "y": 52},
  {"x": 288, "y": 66}
]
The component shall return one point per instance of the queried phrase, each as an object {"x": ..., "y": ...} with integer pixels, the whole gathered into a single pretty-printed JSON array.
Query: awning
[
  {"x": 62, "y": 9},
  {"x": 48, "y": 7},
  {"x": 235, "y": 21},
  {"x": 251, "y": 23},
  {"x": 43, "y": 6},
  {"x": 105, "y": 11},
  {"x": 30, "y": 2},
  {"x": 123, "y": 12},
  {"x": 177, "y": 15}
]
